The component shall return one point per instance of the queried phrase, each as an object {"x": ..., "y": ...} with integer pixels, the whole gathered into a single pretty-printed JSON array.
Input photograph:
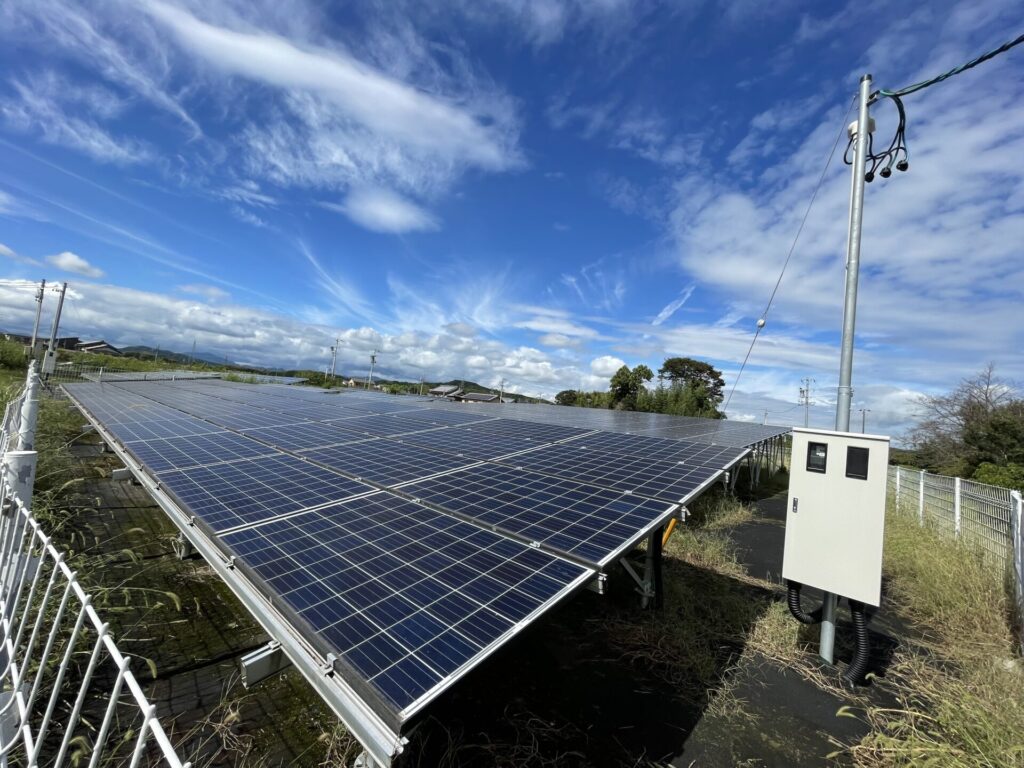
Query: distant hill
[{"x": 149, "y": 353}]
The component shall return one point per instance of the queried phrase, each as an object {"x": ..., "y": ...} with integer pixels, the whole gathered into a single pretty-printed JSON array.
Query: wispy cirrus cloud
[
  {"x": 306, "y": 111},
  {"x": 50, "y": 107},
  {"x": 673, "y": 306}
]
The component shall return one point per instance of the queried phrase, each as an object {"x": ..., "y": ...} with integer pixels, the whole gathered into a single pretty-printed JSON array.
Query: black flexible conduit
[
  {"x": 859, "y": 666},
  {"x": 793, "y": 597}
]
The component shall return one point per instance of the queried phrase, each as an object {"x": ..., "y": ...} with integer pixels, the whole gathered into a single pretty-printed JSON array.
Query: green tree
[
  {"x": 1007, "y": 475},
  {"x": 627, "y": 385},
  {"x": 981, "y": 421},
  {"x": 567, "y": 397},
  {"x": 686, "y": 370}
]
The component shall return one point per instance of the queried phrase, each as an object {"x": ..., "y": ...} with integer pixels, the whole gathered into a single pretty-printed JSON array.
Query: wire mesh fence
[
  {"x": 67, "y": 693},
  {"x": 986, "y": 517}
]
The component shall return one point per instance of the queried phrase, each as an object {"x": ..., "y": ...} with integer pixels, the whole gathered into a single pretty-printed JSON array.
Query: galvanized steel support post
[{"x": 845, "y": 398}]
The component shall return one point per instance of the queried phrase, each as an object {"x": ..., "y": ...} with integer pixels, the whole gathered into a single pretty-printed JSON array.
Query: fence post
[
  {"x": 920, "y": 499},
  {"x": 29, "y": 410},
  {"x": 1017, "y": 528},
  {"x": 956, "y": 507},
  {"x": 899, "y": 474}
]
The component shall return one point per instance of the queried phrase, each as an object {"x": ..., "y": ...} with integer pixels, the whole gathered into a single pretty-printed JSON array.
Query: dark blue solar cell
[
  {"x": 385, "y": 462},
  {"x": 196, "y": 450},
  {"x": 408, "y": 623},
  {"x": 542, "y": 508},
  {"x": 249, "y": 491}
]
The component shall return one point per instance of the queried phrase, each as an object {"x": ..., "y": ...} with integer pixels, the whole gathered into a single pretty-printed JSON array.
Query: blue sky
[{"x": 533, "y": 192}]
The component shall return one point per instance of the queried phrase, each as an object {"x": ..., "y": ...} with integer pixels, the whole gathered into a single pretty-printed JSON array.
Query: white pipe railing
[{"x": 61, "y": 672}]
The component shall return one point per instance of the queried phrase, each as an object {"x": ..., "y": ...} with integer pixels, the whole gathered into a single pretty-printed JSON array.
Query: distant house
[
  {"x": 65, "y": 342},
  {"x": 99, "y": 347},
  {"x": 446, "y": 390}
]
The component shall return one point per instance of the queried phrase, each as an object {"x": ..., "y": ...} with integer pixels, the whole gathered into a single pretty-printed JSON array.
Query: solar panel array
[
  {"x": 407, "y": 537},
  {"x": 736, "y": 434}
]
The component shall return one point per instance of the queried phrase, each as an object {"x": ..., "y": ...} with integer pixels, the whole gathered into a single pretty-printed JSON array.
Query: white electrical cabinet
[{"x": 835, "y": 517}]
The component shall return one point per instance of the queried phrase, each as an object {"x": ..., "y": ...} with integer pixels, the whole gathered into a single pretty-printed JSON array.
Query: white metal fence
[
  {"x": 985, "y": 516},
  {"x": 67, "y": 694}
]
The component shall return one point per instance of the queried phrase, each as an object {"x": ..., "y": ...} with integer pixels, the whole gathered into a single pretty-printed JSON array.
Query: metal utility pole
[
  {"x": 863, "y": 420},
  {"x": 805, "y": 398},
  {"x": 765, "y": 417},
  {"x": 373, "y": 360},
  {"x": 39, "y": 311},
  {"x": 334, "y": 357},
  {"x": 859, "y": 132},
  {"x": 421, "y": 386},
  {"x": 192, "y": 357},
  {"x": 501, "y": 392},
  {"x": 50, "y": 362}
]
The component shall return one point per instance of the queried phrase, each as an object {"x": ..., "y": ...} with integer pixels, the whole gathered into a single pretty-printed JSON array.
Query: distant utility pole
[
  {"x": 863, "y": 419},
  {"x": 192, "y": 357},
  {"x": 334, "y": 357},
  {"x": 501, "y": 391},
  {"x": 805, "y": 398},
  {"x": 765, "y": 417},
  {"x": 373, "y": 360},
  {"x": 50, "y": 362},
  {"x": 39, "y": 311},
  {"x": 156, "y": 354},
  {"x": 421, "y": 386}
]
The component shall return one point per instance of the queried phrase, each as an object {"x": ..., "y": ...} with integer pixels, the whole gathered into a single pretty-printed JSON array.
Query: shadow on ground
[{"x": 599, "y": 682}]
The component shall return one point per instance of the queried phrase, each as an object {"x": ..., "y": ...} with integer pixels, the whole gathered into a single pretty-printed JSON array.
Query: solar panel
[
  {"x": 380, "y": 425},
  {"x": 386, "y": 462},
  {"x": 478, "y": 445},
  {"x": 410, "y": 587},
  {"x": 407, "y": 597},
  {"x": 532, "y": 430},
  {"x": 666, "y": 480},
  {"x": 593, "y": 524},
  {"x": 301, "y": 436},
  {"x": 451, "y": 418},
  {"x": 196, "y": 450},
  {"x": 661, "y": 449},
  {"x": 244, "y": 492},
  {"x": 253, "y": 419}
]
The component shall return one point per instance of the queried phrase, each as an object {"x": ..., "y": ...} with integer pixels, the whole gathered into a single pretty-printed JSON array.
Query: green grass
[
  {"x": 960, "y": 688},
  {"x": 958, "y": 683}
]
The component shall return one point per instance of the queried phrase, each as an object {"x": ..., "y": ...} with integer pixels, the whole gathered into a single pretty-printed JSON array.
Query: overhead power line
[
  {"x": 954, "y": 71},
  {"x": 763, "y": 319}
]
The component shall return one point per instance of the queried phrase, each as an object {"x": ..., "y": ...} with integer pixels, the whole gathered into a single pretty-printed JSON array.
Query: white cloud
[
  {"x": 72, "y": 262},
  {"x": 381, "y": 210},
  {"x": 941, "y": 274},
  {"x": 208, "y": 292},
  {"x": 127, "y": 316},
  {"x": 379, "y": 103},
  {"x": 559, "y": 341},
  {"x": 336, "y": 121},
  {"x": 605, "y": 365},
  {"x": 247, "y": 216},
  {"x": 71, "y": 29},
  {"x": 673, "y": 306}
]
